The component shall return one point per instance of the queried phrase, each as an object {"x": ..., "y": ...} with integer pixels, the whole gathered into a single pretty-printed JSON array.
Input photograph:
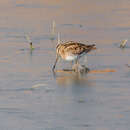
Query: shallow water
[{"x": 32, "y": 98}]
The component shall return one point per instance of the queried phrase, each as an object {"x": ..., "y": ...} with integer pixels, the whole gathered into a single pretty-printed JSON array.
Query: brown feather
[{"x": 73, "y": 48}]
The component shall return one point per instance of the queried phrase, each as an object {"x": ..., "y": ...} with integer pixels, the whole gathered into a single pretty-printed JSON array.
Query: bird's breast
[{"x": 71, "y": 57}]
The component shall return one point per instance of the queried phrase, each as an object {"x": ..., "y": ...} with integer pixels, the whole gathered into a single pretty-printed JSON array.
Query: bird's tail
[{"x": 90, "y": 47}]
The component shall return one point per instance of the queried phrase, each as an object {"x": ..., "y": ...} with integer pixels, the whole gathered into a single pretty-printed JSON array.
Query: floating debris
[
  {"x": 107, "y": 70},
  {"x": 123, "y": 43},
  {"x": 38, "y": 85},
  {"x": 102, "y": 71},
  {"x": 73, "y": 25},
  {"x": 46, "y": 87},
  {"x": 81, "y": 100}
]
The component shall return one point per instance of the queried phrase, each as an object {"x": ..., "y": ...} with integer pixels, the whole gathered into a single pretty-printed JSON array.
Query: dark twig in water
[{"x": 30, "y": 42}]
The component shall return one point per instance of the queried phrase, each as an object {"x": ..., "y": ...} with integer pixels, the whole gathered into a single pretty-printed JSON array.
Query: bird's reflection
[{"x": 71, "y": 78}]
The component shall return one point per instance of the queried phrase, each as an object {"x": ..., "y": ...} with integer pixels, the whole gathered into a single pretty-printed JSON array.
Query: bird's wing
[{"x": 75, "y": 48}]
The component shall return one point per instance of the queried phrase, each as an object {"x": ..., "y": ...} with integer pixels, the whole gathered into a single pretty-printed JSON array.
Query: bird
[{"x": 72, "y": 51}]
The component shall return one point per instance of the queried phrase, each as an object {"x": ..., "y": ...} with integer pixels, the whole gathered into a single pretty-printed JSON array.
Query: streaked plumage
[{"x": 72, "y": 51}]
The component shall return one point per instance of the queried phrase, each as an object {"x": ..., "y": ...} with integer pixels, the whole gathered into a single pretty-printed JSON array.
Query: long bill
[{"x": 57, "y": 57}]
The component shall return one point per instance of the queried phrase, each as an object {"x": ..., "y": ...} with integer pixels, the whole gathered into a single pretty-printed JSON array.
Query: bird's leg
[
  {"x": 80, "y": 68},
  {"x": 57, "y": 57},
  {"x": 71, "y": 63},
  {"x": 77, "y": 63},
  {"x": 85, "y": 61},
  {"x": 86, "y": 65},
  {"x": 75, "y": 66}
]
